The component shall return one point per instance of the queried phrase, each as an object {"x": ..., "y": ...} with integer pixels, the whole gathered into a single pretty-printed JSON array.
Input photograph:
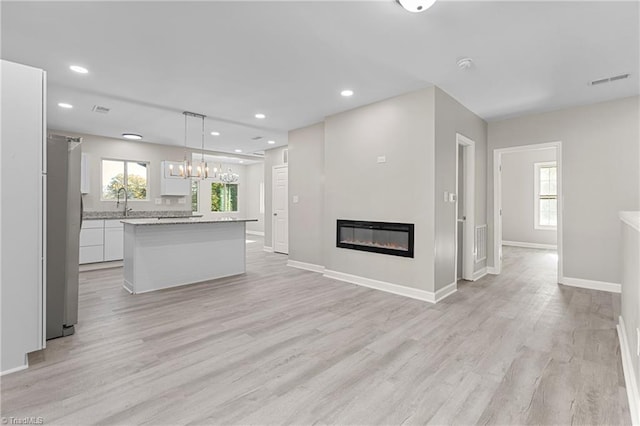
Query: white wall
[
  {"x": 601, "y": 176},
  {"x": 306, "y": 181},
  {"x": 518, "y": 197},
  {"x": 254, "y": 180},
  {"x": 400, "y": 190},
  {"x": 451, "y": 117},
  {"x": 272, "y": 157}
]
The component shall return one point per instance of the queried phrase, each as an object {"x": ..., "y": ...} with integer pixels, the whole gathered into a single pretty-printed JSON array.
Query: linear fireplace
[{"x": 378, "y": 237}]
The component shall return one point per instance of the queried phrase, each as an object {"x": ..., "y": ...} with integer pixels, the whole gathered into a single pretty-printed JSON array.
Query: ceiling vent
[
  {"x": 256, "y": 138},
  {"x": 100, "y": 109},
  {"x": 609, "y": 79},
  {"x": 258, "y": 153}
]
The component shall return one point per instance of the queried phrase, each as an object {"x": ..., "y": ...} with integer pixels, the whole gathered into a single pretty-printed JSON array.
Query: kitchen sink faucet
[{"x": 126, "y": 200}]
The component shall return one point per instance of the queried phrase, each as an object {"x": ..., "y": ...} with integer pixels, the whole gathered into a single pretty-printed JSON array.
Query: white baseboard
[
  {"x": 629, "y": 374},
  {"x": 591, "y": 284},
  {"x": 268, "y": 249},
  {"x": 414, "y": 293},
  {"x": 446, "y": 291},
  {"x": 260, "y": 233},
  {"x": 479, "y": 274},
  {"x": 530, "y": 245},
  {"x": 16, "y": 369},
  {"x": 492, "y": 270},
  {"x": 306, "y": 266}
]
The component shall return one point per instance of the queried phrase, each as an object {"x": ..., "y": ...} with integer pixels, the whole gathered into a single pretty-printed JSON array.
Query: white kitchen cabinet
[
  {"x": 91, "y": 254},
  {"x": 173, "y": 185},
  {"x": 101, "y": 241},
  {"x": 113, "y": 240}
]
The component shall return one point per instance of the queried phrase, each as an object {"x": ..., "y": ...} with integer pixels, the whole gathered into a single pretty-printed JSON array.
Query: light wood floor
[{"x": 281, "y": 345}]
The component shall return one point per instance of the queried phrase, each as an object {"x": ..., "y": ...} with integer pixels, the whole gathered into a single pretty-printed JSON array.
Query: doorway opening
[
  {"x": 528, "y": 207},
  {"x": 465, "y": 208}
]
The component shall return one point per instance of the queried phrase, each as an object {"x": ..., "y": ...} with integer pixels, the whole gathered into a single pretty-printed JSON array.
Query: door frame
[
  {"x": 468, "y": 227},
  {"x": 497, "y": 200},
  {"x": 273, "y": 196}
]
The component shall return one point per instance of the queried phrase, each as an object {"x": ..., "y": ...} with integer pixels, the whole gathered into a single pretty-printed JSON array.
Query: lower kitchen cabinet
[
  {"x": 113, "y": 244},
  {"x": 101, "y": 241}
]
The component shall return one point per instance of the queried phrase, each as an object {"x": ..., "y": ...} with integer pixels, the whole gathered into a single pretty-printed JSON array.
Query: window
[
  {"x": 132, "y": 175},
  {"x": 546, "y": 193},
  {"x": 224, "y": 197},
  {"x": 194, "y": 195}
]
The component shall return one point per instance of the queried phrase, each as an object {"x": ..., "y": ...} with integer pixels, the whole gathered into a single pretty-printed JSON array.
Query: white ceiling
[{"x": 149, "y": 61}]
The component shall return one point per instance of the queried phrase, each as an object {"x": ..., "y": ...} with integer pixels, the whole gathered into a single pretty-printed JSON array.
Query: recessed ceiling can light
[
  {"x": 271, "y": 142},
  {"x": 215, "y": 133},
  {"x": 78, "y": 69},
  {"x": 346, "y": 93},
  {"x": 65, "y": 105},
  {"x": 260, "y": 116},
  {"x": 241, "y": 161},
  {"x": 132, "y": 136},
  {"x": 238, "y": 150},
  {"x": 416, "y": 5}
]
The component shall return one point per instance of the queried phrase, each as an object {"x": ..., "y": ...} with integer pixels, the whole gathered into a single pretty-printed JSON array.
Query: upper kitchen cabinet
[{"x": 173, "y": 185}]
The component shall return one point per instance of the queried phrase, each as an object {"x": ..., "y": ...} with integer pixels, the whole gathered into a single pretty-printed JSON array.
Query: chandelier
[
  {"x": 229, "y": 176},
  {"x": 187, "y": 169}
]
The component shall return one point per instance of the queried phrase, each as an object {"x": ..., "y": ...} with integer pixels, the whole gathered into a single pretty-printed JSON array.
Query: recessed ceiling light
[
  {"x": 416, "y": 5},
  {"x": 132, "y": 136},
  {"x": 271, "y": 142},
  {"x": 215, "y": 133},
  {"x": 241, "y": 161},
  {"x": 238, "y": 150},
  {"x": 78, "y": 69},
  {"x": 65, "y": 105},
  {"x": 260, "y": 116},
  {"x": 346, "y": 93}
]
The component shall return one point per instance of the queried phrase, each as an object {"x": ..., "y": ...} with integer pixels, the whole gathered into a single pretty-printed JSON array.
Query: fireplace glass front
[{"x": 378, "y": 237}]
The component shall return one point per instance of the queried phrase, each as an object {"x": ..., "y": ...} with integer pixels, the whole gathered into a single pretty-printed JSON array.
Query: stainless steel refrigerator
[{"x": 64, "y": 219}]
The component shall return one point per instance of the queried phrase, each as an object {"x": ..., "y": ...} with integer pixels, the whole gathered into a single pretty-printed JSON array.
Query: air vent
[
  {"x": 256, "y": 138},
  {"x": 609, "y": 79},
  {"x": 258, "y": 153},
  {"x": 100, "y": 109}
]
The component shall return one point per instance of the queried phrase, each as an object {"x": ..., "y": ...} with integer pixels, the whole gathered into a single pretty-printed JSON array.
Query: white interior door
[{"x": 280, "y": 228}]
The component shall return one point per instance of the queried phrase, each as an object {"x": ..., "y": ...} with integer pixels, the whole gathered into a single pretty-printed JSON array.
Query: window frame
[
  {"x": 536, "y": 195},
  {"x": 237, "y": 184},
  {"x": 126, "y": 178},
  {"x": 197, "y": 194}
]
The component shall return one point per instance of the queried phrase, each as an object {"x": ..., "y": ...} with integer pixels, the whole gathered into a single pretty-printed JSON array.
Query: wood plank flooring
[{"x": 285, "y": 346}]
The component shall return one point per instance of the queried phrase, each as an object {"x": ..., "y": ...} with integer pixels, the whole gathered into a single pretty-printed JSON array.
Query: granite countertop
[
  {"x": 182, "y": 221},
  {"x": 138, "y": 214},
  {"x": 632, "y": 219}
]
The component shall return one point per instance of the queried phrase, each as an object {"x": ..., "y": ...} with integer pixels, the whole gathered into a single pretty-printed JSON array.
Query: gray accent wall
[
  {"x": 358, "y": 187},
  {"x": 451, "y": 118},
  {"x": 518, "y": 197},
  {"x": 306, "y": 182},
  {"x": 272, "y": 157},
  {"x": 600, "y": 153}
]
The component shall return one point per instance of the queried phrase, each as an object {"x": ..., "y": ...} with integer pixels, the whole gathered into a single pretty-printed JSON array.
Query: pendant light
[{"x": 187, "y": 169}]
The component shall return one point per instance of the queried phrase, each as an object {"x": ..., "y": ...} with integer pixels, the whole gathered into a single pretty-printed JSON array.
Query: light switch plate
[
  {"x": 158, "y": 201},
  {"x": 295, "y": 199},
  {"x": 382, "y": 159},
  {"x": 446, "y": 196},
  {"x": 452, "y": 197}
]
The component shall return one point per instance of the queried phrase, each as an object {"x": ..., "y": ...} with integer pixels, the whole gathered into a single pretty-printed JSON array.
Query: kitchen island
[{"x": 163, "y": 253}]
